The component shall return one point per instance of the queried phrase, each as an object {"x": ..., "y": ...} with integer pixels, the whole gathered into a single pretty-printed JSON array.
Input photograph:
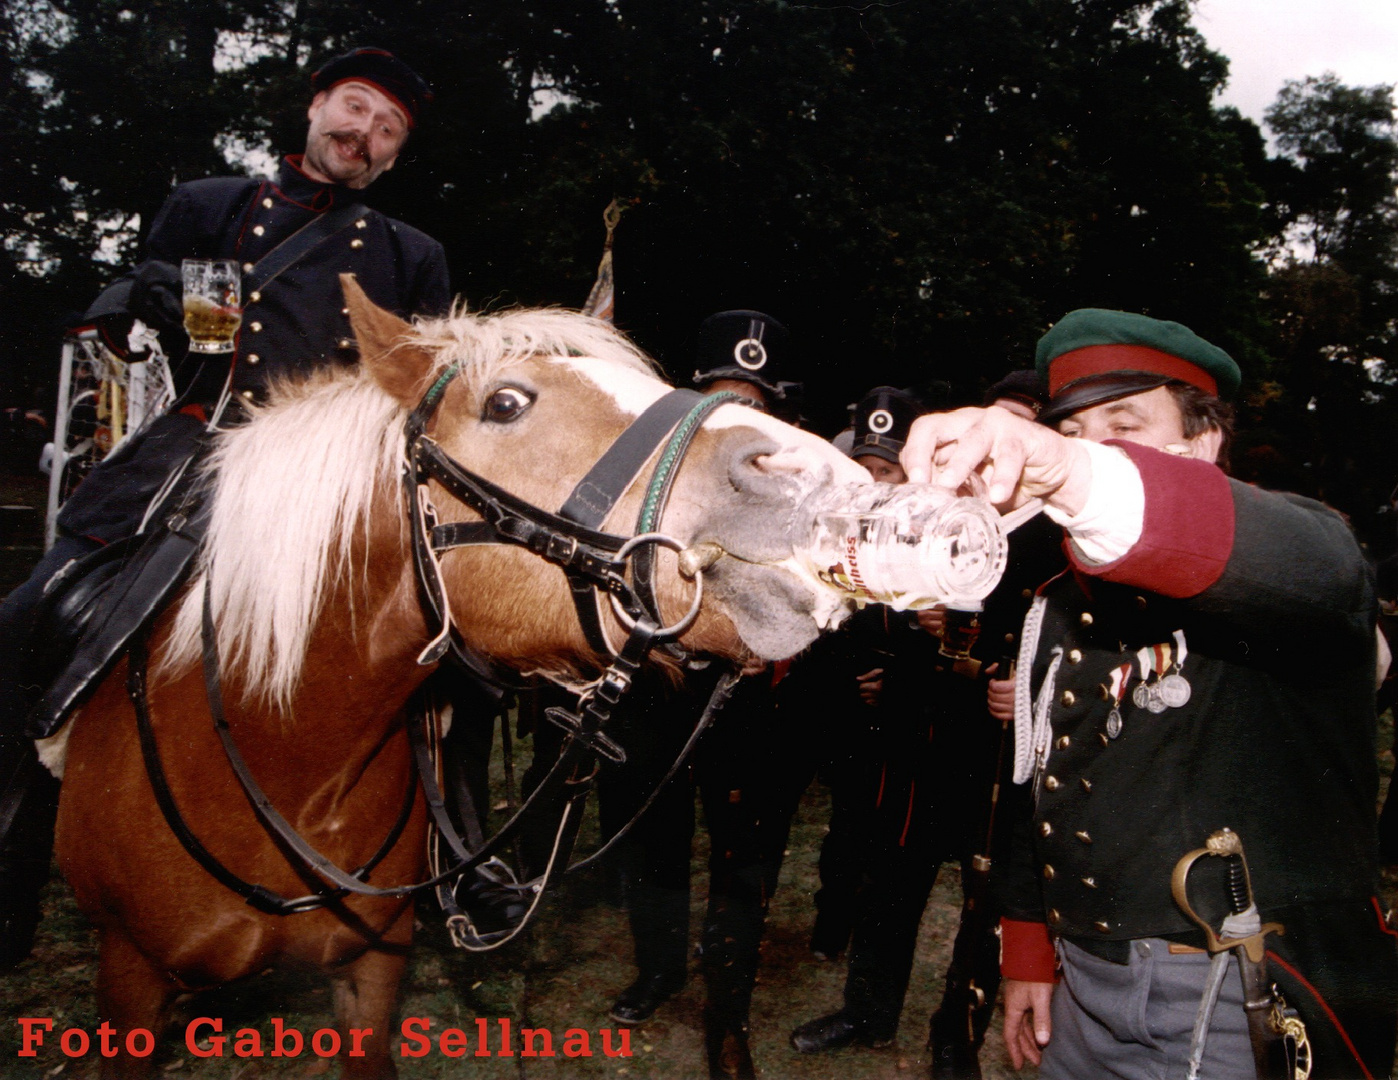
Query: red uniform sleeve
[
  {"x": 1187, "y": 535},
  {"x": 1026, "y": 953}
]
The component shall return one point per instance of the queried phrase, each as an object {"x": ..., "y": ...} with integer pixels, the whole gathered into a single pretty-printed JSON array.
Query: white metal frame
[{"x": 85, "y": 365}]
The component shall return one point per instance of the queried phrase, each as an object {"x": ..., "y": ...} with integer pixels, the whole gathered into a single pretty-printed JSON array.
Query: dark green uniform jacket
[{"x": 1275, "y": 605}]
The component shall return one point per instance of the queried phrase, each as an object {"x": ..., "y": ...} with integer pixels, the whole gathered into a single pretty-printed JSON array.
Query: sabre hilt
[{"x": 1226, "y": 844}]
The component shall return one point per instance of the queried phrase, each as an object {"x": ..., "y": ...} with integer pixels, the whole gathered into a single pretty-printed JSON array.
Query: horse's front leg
[
  {"x": 366, "y": 1000},
  {"x": 131, "y": 993}
]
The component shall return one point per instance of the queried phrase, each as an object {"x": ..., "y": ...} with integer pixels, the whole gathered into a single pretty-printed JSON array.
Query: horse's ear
[{"x": 402, "y": 369}]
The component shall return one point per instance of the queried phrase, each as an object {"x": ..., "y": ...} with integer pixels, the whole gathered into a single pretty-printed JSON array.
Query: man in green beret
[{"x": 1206, "y": 666}]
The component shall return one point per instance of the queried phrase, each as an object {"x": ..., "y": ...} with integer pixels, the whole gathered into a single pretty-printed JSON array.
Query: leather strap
[
  {"x": 596, "y": 493},
  {"x": 658, "y": 495},
  {"x": 300, "y": 244},
  {"x": 257, "y": 896}
]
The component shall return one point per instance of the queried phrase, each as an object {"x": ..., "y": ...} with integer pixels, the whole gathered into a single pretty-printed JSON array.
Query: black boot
[
  {"x": 492, "y": 907},
  {"x": 954, "y": 1045},
  {"x": 28, "y": 808},
  {"x": 638, "y": 1002},
  {"x": 836, "y": 1031},
  {"x": 726, "y": 1046}
]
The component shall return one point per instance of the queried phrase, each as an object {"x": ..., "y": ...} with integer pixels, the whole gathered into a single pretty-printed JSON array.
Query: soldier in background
[
  {"x": 928, "y": 799},
  {"x": 750, "y": 768}
]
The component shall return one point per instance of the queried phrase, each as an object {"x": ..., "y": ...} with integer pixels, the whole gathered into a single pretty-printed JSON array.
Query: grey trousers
[{"x": 1135, "y": 1020}]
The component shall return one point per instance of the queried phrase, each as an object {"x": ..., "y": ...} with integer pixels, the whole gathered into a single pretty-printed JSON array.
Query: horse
[{"x": 307, "y": 584}]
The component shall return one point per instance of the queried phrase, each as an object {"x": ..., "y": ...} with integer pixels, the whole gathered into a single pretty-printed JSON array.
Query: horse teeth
[{"x": 695, "y": 560}]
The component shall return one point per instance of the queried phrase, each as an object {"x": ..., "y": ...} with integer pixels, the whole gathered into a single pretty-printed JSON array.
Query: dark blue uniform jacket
[{"x": 294, "y": 325}]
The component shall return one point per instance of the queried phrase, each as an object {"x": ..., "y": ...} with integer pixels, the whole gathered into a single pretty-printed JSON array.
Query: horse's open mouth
[{"x": 777, "y": 605}]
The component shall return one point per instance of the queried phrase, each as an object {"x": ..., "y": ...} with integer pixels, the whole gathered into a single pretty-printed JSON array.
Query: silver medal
[
  {"x": 1174, "y": 690},
  {"x": 1155, "y": 702},
  {"x": 1141, "y": 695},
  {"x": 1114, "y": 723}
]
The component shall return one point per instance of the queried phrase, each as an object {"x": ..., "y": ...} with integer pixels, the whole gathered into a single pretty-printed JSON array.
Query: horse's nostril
[{"x": 780, "y": 463}]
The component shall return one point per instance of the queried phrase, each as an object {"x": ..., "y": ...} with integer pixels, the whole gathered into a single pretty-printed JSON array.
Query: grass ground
[{"x": 563, "y": 975}]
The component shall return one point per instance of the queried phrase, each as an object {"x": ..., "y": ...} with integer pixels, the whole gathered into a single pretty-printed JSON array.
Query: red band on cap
[{"x": 1106, "y": 359}]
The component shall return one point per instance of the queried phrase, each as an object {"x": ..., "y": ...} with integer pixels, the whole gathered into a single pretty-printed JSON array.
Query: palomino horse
[{"x": 319, "y": 629}]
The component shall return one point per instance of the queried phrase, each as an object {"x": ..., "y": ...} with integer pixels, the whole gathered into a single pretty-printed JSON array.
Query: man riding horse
[{"x": 293, "y": 237}]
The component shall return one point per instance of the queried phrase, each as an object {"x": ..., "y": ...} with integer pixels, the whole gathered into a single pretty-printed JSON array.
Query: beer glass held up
[{"x": 212, "y": 303}]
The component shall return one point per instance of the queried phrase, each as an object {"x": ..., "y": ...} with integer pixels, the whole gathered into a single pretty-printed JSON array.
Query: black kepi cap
[{"x": 382, "y": 70}]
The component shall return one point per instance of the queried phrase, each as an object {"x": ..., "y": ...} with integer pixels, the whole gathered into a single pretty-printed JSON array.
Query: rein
[{"x": 595, "y": 563}]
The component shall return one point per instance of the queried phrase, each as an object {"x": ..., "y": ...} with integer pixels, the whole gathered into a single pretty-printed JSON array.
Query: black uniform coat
[
  {"x": 295, "y": 324},
  {"x": 1276, "y": 742}
]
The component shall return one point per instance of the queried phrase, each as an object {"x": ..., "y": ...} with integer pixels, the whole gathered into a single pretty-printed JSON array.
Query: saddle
[{"x": 95, "y": 605}]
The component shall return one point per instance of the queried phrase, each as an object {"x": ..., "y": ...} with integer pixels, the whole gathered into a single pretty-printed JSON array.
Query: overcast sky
[{"x": 1270, "y": 41}]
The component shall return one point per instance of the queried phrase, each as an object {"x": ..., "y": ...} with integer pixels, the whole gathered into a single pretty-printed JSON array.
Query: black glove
[{"x": 157, "y": 295}]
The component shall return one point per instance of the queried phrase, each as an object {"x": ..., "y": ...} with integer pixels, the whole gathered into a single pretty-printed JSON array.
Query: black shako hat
[
  {"x": 381, "y": 69},
  {"x": 882, "y": 418},
  {"x": 748, "y": 346}
]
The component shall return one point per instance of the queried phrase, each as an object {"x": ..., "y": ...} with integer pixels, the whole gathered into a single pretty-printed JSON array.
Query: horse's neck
[
  {"x": 360, "y": 664},
  {"x": 362, "y": 656}
]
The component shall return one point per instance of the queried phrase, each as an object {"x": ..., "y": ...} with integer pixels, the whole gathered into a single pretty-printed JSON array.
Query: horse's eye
[{"x": 506, "y": 404}]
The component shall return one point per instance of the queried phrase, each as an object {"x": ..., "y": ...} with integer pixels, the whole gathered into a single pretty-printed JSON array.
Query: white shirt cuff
[{"x": 1111, "y": 521}]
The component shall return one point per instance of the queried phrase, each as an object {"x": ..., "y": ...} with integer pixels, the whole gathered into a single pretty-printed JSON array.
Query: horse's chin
[{"x": 777, "y": 608}]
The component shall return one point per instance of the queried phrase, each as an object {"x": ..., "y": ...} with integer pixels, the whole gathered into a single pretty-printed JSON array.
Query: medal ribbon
[
  {"x": 1118, "y": 682},
  {"x": 1181, "y": 650}
]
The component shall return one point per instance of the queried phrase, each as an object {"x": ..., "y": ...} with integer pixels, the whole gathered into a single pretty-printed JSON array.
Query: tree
[
  {"x": 1332, "y": 290},
  {"x": 917, "y": 190}
]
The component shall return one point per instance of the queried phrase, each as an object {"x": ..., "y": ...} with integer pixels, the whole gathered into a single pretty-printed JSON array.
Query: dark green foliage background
[{"x": 917, "y": 189}]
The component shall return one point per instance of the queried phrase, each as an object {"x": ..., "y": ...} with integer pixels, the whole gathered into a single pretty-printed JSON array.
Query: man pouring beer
[{"x": 1205, "y": 665}]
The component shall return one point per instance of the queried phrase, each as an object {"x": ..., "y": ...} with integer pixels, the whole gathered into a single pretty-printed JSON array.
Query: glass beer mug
[
  {"x": 212, "y": 303},
  {"x": 910, "y": 546}
]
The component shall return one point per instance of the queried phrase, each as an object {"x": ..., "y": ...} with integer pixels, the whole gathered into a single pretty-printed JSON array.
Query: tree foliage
[
  {"x": 1332, "y": 293},
  {"x": 917, "y": 190}
]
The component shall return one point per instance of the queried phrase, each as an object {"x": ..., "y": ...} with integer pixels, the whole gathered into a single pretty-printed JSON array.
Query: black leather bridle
[{"x": 595, "y": 563}]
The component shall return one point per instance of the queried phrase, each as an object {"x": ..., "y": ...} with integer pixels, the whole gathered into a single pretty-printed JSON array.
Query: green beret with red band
[{"x": 1094, "y": 355}]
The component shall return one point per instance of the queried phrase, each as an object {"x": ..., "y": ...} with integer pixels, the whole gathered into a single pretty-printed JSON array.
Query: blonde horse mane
[{"x": 293, "y": 488}]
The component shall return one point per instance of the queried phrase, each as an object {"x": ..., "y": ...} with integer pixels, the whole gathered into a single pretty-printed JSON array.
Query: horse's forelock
[{"x": 482, "y": 344}]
